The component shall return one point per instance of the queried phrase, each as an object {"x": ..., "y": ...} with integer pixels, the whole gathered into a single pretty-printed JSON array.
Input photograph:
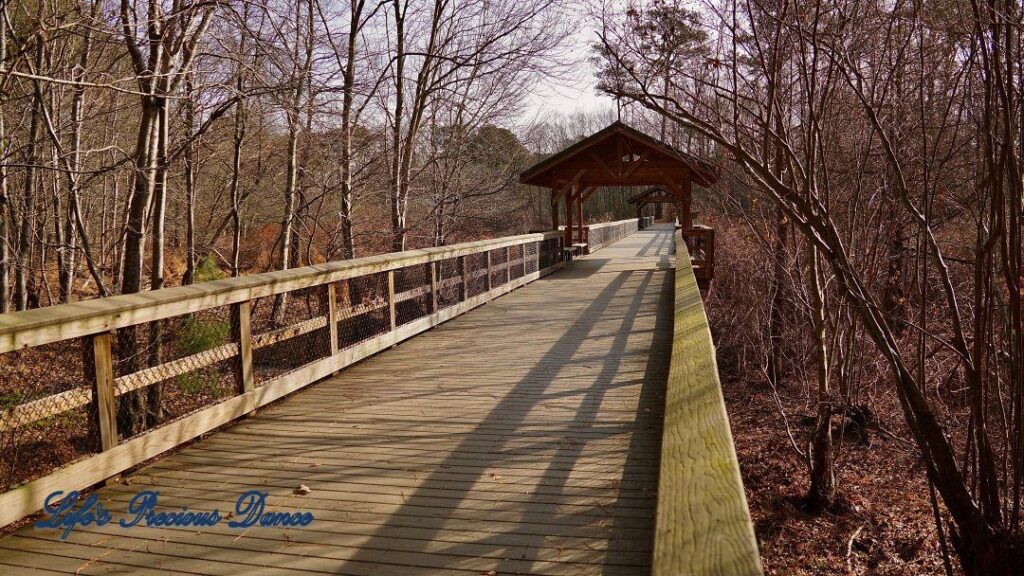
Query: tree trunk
[
  {"x": 154, "y": 395},
  {"x": 398, "y": 185},
  {"x": 188, "y": 160},
  {"x": 23, "y": 280},
  {"x": 348, "y": 90},
  {"x": 776, "y": 315},
  {"x": 5, "y": 205},
  {"x": 131, "y": 409},
  {"x": 236, "y": 175},
  {"x": 822, "y": 489}
]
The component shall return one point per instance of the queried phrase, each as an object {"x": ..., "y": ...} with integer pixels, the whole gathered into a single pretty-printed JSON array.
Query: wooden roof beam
[
  {"x": 569, "y": 185},
  {"x": 604, "y": 165}
]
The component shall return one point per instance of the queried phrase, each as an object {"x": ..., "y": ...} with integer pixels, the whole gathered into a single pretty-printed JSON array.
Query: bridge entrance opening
[{"x": 620, "y": 155}]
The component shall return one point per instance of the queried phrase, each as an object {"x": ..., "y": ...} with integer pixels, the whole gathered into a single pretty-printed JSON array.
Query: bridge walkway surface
[{"x": 522, "y": 437}]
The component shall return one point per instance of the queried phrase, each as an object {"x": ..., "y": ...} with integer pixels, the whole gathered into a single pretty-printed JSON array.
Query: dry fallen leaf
[{"x": 302, "y": 490}]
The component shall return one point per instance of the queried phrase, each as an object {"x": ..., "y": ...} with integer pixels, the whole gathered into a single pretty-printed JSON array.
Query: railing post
[
  {"x": 391, "y": 299},
  {"x": 488, "y": 270},
  {"x": 241, "y": 333},
  {"x": 433, "y": 286},
  {"x": 99, "y": 367},
  {"x": 465, "y": 280},
  {"x": 332, "y": 316}
]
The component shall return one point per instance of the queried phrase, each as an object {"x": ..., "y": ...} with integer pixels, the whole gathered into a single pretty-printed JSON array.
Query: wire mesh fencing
[
  {"x": 363, "y": 308},
  {"x": 477, "y": 274},
  {"x": 289, "y": 331},
  {"x": 413, "y": 294},
  {"x": 44, "y": 411},
  {"x": 449, "y": 282},
  {"x": 170, "y": 368},
  {"x": 601, "y": 235},
  {"x": 499, "y": 267}
]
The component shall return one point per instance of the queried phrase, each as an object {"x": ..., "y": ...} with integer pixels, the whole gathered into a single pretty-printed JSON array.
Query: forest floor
[{"x": 882, "y": 523}]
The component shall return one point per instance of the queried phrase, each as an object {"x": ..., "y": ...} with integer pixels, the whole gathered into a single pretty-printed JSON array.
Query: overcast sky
[{"x": 576, "y": 92}]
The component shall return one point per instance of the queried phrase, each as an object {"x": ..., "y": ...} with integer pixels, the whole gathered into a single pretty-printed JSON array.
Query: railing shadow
[{"x": 510, "y": 412}]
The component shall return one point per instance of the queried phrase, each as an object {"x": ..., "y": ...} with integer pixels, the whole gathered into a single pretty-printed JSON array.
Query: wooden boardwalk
[{"x": 520, "y": 438}]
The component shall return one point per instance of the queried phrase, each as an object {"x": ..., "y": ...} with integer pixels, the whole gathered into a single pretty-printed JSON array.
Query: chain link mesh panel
[
  {"x": 413, "y": 297},
  {"x": 173, "y": 367},
  {"x": 363, "y": 309},
  {"x": 288, "y": 331},
  {"x": 477, "y": 267},
  {"x": 449, "y": 282},
  {"x": 45, "y": 418},
  {"x": 548, "y": 253},
  {"x": 515, "y": 264},
  {"x": 531, "y": 255},
  {"x": 499, "y": 265}
]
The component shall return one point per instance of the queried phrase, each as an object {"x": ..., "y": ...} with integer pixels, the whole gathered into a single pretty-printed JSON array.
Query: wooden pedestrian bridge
[{"x": 495, "y": 407}]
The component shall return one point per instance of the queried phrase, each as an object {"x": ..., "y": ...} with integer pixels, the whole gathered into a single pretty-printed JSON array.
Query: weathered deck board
[{"x": 523, "y": 437}]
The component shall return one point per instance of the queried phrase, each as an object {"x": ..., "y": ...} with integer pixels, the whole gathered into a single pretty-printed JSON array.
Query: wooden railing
[
  {"x": 700, "y": 241},
  {"x": 703, "y": 525},
  {"x": 213, "y": 352},
  {"x": 644, "y": 222},
  {"x": 597, "y": 236}
]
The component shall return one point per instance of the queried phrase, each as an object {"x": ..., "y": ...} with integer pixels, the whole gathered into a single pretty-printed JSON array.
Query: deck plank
[{"x": 522, "y": 437}]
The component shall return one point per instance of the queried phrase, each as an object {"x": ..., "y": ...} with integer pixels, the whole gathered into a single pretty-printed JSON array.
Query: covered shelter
[
  {"x": 652, "y": 195},
  {"x": 620, "y": 155}
]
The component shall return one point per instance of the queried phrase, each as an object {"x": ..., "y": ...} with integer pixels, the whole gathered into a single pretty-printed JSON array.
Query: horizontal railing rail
[
  {"x": 703, "y": 525},
  {"x": 176, "y": 363}
]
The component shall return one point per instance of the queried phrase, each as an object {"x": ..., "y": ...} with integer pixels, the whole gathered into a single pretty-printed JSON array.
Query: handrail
[
  {"x": 411, "y": 292},
  {"x": 703, "y": 524}
]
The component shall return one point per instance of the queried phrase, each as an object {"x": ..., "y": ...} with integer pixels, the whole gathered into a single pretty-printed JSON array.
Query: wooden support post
[
  {"x": 332, "y": 316},
  {"x": 241, "y": 333},
  {"x": 100, "y": 367},
  {"x": 569, "y": 209},
  {"x": 391, "y": 299},
  {"x": 508, "y": 264},
  {"x": 579, "y": 218},
  {"x": 433, "y": 286},
  {"x": 465, "y": 279},
  {"x": 489, "y": 265},
  {"x": 554, "y": 210}
]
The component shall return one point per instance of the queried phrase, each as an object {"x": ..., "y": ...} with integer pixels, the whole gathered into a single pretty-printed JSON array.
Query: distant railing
[
  {"x": 598, "y": 236},
  {"x": 703, "y": 525},
  {"x": 700, "y": 241},
  {"x": 645, "y": 222},
  {"x": 177, "y": 363}
]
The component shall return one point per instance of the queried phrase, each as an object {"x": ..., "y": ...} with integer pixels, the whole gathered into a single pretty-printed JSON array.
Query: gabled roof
[{"x": 619, "y": 155}]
